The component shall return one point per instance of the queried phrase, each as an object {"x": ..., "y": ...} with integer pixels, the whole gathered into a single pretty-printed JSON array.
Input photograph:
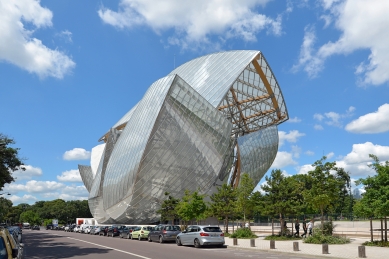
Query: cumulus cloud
[
  {"x": 34, "y": 187},
  {"x": 76, "y": 154},
  {"x": 304, "y": 169},
  {"x": 28, "y": 173},
  {"x": 283, "y": 159},
  {"x": 70, "y": 176},
  {"x": 194, "y": 21},
  {"x": 27, "y": 198},
  {"x": 18, "y": 47},
  {"x": 290, "y": 137},
  {"x": 375, "y": 122},
  {"x": 356, "y": 162},
  {"x": 318, "y": 127},
  {"x": 333, "y": 118},
  {"x": 363, "y": 25},
  {"x": 309, "y": 153},
  {"x": 294, "y": 120}
]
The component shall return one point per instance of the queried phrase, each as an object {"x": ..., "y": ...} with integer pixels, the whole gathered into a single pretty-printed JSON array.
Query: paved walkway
[{"x": 335, "y": 251}]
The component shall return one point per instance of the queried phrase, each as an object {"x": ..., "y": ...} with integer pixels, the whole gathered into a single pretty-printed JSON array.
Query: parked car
[
  {"x": 36, "y": 227},
  {"x": 9, "y": 247},
  {"x": 114, "y": 231},
  {"x": 141, "y": 232},
  {"x": 201, "y": 236},
  {"x": 93, "y": 230},
  {"x": 126, "y": 232},
  {"x": 87, "y": 229},
  {"x": 49, "y": 226},
  {"x": 103, "y": 230},
  {"x": 16, "y": 232},
  {"x": 163, "y": 233},
  {"x": 77, "y": 229}
]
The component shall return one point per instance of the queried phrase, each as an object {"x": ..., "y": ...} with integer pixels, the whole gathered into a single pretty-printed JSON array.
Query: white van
[{"x": 26, "y": 225}]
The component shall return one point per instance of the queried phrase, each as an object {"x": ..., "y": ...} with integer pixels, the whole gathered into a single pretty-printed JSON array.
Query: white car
[
  {"x": 87, "y": 229},
  {"x": 76, "y": 229}
]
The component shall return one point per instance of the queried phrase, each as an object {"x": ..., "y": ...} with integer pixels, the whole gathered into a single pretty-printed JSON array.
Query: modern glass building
[{"x": 202, "y": 125}]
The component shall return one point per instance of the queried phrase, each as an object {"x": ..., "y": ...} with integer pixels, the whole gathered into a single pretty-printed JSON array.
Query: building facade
[{"x": 202, "y": 125}]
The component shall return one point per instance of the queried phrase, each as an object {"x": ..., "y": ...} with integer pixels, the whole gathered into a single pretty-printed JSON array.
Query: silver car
[{"x": 201, "y": 236}]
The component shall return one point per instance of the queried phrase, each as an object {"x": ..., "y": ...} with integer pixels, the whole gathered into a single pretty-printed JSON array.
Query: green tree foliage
[
  {"x": 224, "y": 203},
  {"x": 376, "y": 197},
  {"x": 30, "y": 217},
  {"x": 325, "y": 187},
  {"x": 282, "y": 196},
  {"x": 168, "y": 208},
  {"x": 5, "y": 206},
  {"x": 244, "y": 191},
  {"x": 9, "y": 160},
  {"x": 192, "y": 206}
]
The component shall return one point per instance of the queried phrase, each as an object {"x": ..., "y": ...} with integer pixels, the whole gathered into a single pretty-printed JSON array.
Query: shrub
[
  {"x": 281, "y": 238},
  {"x": 377, "y": 243},
  {"x": 243, "y": 233}
]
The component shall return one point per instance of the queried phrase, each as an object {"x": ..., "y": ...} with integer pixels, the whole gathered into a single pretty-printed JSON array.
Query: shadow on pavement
[{"x": 48, "y": 246}]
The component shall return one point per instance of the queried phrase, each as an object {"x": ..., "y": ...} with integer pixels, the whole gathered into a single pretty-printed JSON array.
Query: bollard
[
  {"x": 325, "y": 249},
  {"x": 296, "y": 246},
  {"x": 252, "y": 242},
  {"x": 235, "y": 241},
  {"x": 361, "y": 252},
  {"x": 272, "y": 244}
]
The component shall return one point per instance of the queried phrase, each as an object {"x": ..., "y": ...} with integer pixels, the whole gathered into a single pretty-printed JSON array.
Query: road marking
[{"x": 140, "y": 256}]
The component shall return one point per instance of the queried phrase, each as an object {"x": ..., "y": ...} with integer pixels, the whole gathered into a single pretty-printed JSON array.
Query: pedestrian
[
  {"x": 305, "y": 229},
  {"x": 247, "y": 225},
  {"x": 310, "y": 227},
  {"x": 297, "y": 227}
]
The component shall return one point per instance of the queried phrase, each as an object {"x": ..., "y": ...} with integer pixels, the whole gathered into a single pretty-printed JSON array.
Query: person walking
[
  {"x": 297, "y": 227},
  {"x": 310, "y": 227},
  {"x": 304, "y": 228}
]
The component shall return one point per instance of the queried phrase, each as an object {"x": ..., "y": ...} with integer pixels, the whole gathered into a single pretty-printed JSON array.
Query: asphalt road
[{"x": 50, "y": 244}]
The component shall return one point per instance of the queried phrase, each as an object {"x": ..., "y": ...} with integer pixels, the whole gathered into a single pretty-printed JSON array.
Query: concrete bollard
[
  {"x": 235, "y": 241},
  {"x": 325, "y": 249},
  {"x": 272, "y": 244},
  {"x": 361, "y": 252},
  {"x": 252, "y": 242},
  {"x": 296, "y": 246}
]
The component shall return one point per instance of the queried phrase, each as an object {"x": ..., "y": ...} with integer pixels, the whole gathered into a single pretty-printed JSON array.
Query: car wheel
[
  {"x": 139, "y": 238},
  {"x": 149, "y": 239},
  {"x": 178, "y": 241},
  {"x": 161, "y": 239},
  {"x": 197, "y": 243}
]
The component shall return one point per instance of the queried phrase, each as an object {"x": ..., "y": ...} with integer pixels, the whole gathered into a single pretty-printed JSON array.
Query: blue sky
[{"x": 70, "y": 69}]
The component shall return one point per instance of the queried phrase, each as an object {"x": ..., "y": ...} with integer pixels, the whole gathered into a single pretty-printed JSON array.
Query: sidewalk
[{"x": 335, "y": 251}]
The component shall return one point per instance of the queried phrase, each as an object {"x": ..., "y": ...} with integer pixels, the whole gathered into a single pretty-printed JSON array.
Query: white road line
[{"x": 140, "y": 256}]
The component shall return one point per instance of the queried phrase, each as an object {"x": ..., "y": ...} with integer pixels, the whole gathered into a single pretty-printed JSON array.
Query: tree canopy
[{"x": 9, "y": 160}]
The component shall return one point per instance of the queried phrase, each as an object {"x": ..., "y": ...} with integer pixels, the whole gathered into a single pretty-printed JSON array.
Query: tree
[
  {"x": 5, "y": 206},
  {"x": 325, "y": 187},
  {"x": 224, "y": 203},
  {"x": 376, "y": 197},
  {"x": 244, "y": 191},
  {"x": 168, "y": 208},
  {"x": 30, "y": 217},
  {"x": 191, "y": 206},
  {"x": 282, "y": 196},
  {"x": 9, "y": 160}
]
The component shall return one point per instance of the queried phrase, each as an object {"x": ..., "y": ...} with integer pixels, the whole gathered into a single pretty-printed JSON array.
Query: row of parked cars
[{"x": 196, "y": 235}]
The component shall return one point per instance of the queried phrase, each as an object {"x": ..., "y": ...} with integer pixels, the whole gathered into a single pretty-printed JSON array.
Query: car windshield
[
  {"x": 212, "y": 229},
  {"x": 148, "y": 228},
  {"x": 173, "y": 228}
]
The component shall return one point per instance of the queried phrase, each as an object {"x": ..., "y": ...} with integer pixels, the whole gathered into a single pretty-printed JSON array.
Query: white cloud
[
  {"x": 291, "y": 137},
  {"x": 194, "y": 21},
  {"x": 330, "y": 155},
  {"x": 333, "y": 118},
  {"x": 27, "y": 198},
  {"x": 283, "y": 159},
  {"x": 304, "y": 169},
  {"x": 70, "y": 176},
  {"x": 294, "y": 120},
  {"x": 28, "y": 173},
  {"x": 34, "y": 187},
  {"x": 76, "y": 154},
  {"x": 18, "y": 47},
  {"x": 65, "y": 35},
  {"x": 363, "y": 25},
  {"x": 318, "y": 127},
  {"x": 309, "y": 153},
  {"x": 296, "y": 150},
  {"x": 375, "y": 122}
]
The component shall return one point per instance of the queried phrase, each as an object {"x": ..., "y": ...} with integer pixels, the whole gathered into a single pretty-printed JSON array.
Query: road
[{"x": 49, "y": 244}]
